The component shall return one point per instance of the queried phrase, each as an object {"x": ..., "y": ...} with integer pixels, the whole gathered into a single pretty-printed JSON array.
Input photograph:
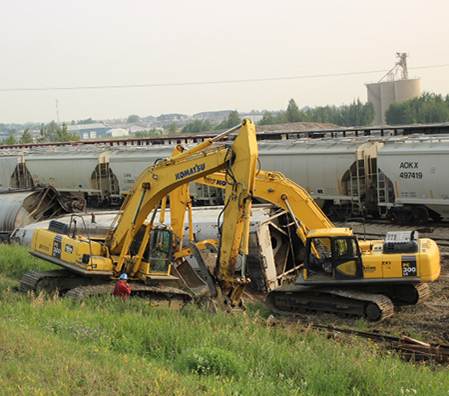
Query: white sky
[{"x": 170, "y": 46}]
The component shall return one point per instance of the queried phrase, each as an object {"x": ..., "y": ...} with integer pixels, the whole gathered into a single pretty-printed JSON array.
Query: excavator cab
[
  {"x": 335, "y": 257},
  {"x": 158, "y": 252}
]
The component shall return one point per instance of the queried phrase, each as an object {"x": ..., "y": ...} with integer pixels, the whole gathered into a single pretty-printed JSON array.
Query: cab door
[
  {"x": 159, "y": 251},
  {"x": 346, "y": 258}
]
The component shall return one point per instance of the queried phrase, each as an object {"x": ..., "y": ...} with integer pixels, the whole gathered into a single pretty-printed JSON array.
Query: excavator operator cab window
[
  {"x": 344, "y": 248},
  {"x": 347, "y": 258},
  {"x": 159, "y": 251},
  {"x": 320, "y": 257},
  {"x": 336, "y": 257}
]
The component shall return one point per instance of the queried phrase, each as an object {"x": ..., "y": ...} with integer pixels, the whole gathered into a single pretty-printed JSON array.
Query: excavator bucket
[{"x": 189, "y": 277}]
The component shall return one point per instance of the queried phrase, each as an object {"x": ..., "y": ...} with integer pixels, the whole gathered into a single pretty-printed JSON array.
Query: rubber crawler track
[
  {"x": 424, "y": 293},
  {"x": 337, "y": 301},
  {"x": 31, "y": 279},
  {"x": 156, "y": 295}
]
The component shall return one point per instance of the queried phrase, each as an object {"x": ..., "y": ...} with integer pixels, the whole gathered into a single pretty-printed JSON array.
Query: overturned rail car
[
  {"x": 19, "y": 208},
  {"x": 272, "y": 256}
]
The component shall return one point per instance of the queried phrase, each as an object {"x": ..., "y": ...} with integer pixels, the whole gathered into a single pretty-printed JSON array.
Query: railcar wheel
[
  {"x": 392, "y": 217},
  {"x": 375, "y": 215},
  {"x": 420, "y": 215}
]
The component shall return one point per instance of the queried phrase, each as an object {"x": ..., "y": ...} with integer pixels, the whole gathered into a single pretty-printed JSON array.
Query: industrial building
[{"x": 391, "y": 89}]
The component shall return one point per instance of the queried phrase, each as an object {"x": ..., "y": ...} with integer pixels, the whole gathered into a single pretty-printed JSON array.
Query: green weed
[{"x": 104, "y": 345}]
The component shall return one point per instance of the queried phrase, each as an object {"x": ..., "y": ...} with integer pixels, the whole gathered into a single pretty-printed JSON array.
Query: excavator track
[
  {"x": 403, "y": 294},
  {"x": 294, "y": 299},
  {"x": 156, "y": 295},
  {"x": 79, "y": 287},
  {"x": 414, "y": 294},
  {"x": 424, "y": 292},
  {"x": 49, "y": 281}
]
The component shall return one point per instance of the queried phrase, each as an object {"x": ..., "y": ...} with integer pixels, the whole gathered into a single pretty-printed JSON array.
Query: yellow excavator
[
  {"x": 341, "y": 274},
  {"x": 147, "y": 251}
]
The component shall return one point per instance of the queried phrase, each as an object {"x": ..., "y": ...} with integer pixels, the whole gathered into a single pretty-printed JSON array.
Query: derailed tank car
[
  {"x": 272, "y": 255},
  {"x": 19, "y": 208},
  {"x": 414, "y": 179}
]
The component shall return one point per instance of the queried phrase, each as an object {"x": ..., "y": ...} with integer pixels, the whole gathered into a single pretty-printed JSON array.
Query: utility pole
[{"x": 57, "y": 111}]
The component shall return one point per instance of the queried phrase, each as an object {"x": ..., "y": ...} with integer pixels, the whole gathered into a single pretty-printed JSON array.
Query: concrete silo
[{"x": 389, "y": 89}]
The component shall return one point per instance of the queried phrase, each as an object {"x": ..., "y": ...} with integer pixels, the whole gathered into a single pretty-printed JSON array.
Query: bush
[{"x": 211, "y": 361}]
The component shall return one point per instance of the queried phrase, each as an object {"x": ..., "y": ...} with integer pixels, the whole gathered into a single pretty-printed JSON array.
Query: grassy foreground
[{"x": 106, "y": 346}]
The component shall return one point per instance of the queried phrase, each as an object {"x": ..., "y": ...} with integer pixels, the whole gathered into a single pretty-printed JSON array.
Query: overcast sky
[{"x": 178, "y": 56}]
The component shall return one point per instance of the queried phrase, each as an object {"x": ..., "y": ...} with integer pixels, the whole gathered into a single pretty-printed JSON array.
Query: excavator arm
[
  {"x": 130, "y": 238},
  {"x": 172, "y": 176},
  {"x": 275, "y": 188}
]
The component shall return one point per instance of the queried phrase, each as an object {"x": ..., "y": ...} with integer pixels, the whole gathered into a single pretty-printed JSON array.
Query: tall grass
[
  {"x": 104, "y": 345},
  {"x": 15, "y": 261}
]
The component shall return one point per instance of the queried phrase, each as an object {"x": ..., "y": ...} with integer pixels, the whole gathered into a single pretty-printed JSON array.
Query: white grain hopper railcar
[
  {"x": 128, "y": 163},
  {"x": 13, "y": 172},
  {"x": 413, "y": 182},
  {"x": 339, "y": 173},
  {"x": 83, "y": 173}
]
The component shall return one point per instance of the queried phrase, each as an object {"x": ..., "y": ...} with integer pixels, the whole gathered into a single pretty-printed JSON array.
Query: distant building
[
  {"x": 213, "y": 116},
  {"x": 117, "y": 132},
  {"x": 250, "y": 116},
  {"x": 390, "y": 89},
  {"x": 89, "y": 131},
  {"x": 172, "y": 117},
  {"x": 138, "y": 128}
]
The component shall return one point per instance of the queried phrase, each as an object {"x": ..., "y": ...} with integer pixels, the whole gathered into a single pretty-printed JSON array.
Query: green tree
[
  {"x": 173, "y": 128},
  {"x": 62, "y": 135},
  {"x": 44, "y": 135},
  {"x": 293, "y": 114},
  {"x": 268, "y": 119},
  {"x": 232, "y": 121},
  {"x": 281, "y": 117},
  {"x": 197, "y": 126},
  {"x": 428, "y": 108},
  {"x": 357, "y": 114},
  {"x": 152, "y": 132},
  {"x": 10, "y": 140},
  {"x": 133, "y": 118},
  {"x": 54, "y": 133},
  {"x": 26, "y": 137},
  {"x": 87, "y": 121}
]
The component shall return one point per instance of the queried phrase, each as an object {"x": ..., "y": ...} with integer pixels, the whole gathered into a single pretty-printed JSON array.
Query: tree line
[
  {"x": 427, "y": 109},
  {"x": 355, "y": 114},
  {"x": 48, "y": 133}
]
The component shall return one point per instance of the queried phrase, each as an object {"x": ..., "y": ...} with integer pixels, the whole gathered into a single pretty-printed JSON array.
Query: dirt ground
[{"x": 427, "y": 321}]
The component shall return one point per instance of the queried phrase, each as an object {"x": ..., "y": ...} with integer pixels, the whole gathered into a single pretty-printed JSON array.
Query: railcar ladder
[
  {"x": 358, "y": 184},
  {"x": 382, "y": 193}
]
